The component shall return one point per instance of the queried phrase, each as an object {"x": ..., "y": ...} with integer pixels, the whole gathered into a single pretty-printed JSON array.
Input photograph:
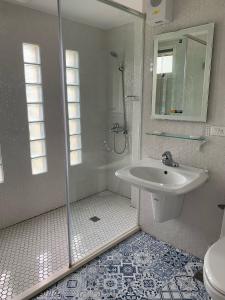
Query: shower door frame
[
  {"x": 135, "y": 155},
  {"x": 136, "y": 124}
]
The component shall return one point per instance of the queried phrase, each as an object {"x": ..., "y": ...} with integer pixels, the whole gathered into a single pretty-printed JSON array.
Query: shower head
[{"x": 114, "y": 54}]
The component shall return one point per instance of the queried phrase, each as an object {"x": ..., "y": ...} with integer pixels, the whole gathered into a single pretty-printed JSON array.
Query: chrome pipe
[
  {"x": 124, "y": 8},
  {"x": 124, "y": 103}
]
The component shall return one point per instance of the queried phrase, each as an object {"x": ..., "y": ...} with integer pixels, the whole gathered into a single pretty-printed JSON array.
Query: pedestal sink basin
[{"x": 166, "y": 184}]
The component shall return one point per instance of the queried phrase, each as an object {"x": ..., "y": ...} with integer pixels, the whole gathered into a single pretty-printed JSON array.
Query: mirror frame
[{"x": 207, "y": 28}]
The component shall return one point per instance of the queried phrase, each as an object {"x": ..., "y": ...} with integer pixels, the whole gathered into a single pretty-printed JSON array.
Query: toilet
[{"x": 214, "y": 270}]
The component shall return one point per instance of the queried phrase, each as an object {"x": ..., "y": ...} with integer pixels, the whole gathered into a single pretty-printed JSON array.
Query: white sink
[
  {"x": 152, "y": 175},
  {"x": 157, "y": 175},
  {"x": 166, "y": 184}
]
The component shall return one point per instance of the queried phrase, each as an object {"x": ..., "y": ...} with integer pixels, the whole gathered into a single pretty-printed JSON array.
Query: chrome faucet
[{"x": 167, "y": 160}]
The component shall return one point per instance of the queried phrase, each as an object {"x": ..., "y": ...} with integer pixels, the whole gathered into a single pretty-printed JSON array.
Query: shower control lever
[
  {"x": 115, "y": 126},
  {"x": 118, "y": 129}
]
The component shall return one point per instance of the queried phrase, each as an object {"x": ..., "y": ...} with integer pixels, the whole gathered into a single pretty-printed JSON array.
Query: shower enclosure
[{"x": 70, "y": 115}]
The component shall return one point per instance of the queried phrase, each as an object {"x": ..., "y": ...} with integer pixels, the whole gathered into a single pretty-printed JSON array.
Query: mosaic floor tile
[
  {"x": 34, "y": 249},
  {"x": 140, "y": 268}
]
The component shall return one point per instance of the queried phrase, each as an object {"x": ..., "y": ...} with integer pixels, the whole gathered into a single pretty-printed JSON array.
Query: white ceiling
[{"x": 91, "y": 12}]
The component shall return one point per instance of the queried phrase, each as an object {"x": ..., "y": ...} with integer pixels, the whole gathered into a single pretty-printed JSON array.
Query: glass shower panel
[
  {"x": 33, "y": 230},
  {"x": 103, "y": 59}
]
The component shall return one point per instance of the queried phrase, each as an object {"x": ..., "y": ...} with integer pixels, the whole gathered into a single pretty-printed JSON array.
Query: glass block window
[
  {"x": 73, "y": 104},
  {"x": 35, "y": 109},
  {"x": 1, "y": 168}
]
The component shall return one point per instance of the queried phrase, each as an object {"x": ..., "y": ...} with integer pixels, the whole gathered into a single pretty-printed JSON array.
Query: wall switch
[{"x": 217, "y": 131}]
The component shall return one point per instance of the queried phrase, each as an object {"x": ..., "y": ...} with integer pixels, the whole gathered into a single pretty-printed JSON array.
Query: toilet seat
[{"x": 214, "y": 266}]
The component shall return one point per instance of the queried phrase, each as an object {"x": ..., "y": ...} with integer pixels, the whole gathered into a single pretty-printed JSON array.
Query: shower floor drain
[{"x": 95, "y": 219}]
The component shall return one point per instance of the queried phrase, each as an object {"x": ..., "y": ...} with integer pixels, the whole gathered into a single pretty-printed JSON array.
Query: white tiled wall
[
  {"x": 21, "y": 188},
  {"x": 22, "y": 195},
  {"x": 89, "y": 177},
  {"x": 120, "y": 40},
  {"x": 200, "y": 222}
]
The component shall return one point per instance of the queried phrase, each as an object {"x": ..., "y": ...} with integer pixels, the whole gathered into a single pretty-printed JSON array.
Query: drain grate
[{"x": 94, "y": 219}]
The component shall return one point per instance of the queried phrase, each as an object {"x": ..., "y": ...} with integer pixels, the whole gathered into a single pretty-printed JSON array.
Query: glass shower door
[
  {"x": 33, "y": 231},
  {"x": 102, "y": 49}
]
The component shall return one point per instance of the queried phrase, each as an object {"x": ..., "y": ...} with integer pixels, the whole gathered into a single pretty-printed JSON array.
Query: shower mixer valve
[{"x": 116, "y": 128}]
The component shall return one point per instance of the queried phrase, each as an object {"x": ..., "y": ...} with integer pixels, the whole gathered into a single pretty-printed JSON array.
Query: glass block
[
  {"x": 74, "y": 110},
  {"x": 31, "y": 53},
  {"x": 39, "y": 165},
  {"x": 73, "y": 93},
  {"x": 34, "y": 93},
  {"x": 74, "y": 127},
  {"x": 75, "y": 142},
  {"x": 72, "y": 59},
  {"x": 75, "y": 157},
  {"x": 1, "y": 174},
  {"x": 37, "y": 131},
  {"x": 72, "y": 76},
  {"x": 37, "y": 148},
  {"x": 32, "y": 74},
  {"x": 35, "y": 112}
]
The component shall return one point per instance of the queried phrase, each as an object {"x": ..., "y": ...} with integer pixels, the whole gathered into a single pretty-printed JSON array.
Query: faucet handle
[
  {"x": 167, "y": 159},
  {"x": 167, "y": 155}
]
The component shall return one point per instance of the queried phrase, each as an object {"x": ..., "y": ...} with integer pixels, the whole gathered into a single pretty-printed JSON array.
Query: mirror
[{"x": 181, "y": 74}]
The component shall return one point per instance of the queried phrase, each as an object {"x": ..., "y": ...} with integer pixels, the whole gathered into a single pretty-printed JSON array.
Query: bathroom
[{"x": 84, "y": 120}]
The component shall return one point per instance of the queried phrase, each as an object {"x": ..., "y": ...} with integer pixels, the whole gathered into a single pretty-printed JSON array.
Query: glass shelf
[{"x": 178, "y": 136}]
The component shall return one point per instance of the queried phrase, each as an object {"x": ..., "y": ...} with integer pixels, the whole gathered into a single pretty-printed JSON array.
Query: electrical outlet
[{"x": 217, "y": 131}]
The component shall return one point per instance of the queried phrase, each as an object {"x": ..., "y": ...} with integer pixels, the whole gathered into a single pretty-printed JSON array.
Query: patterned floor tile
[
  {"x": 140, "y": 268},
  {"x": 184, "y": 287}
]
